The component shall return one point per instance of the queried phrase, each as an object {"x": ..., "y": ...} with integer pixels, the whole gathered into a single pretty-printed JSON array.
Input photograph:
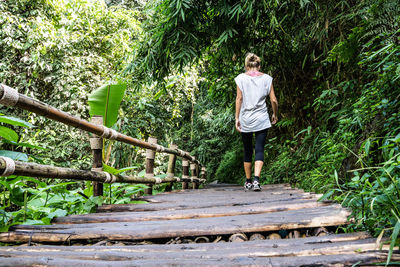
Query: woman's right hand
[
  {"x": 237, "y": 125},
  {"x": 274, "y": 119}
]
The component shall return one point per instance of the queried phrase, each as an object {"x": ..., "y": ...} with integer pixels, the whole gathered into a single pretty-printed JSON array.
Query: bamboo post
[
  {"x": 203, "y": 173},
  {"x": 197, "y": 175},
  {"x": 171, "y": 168},
  {"x": 96, "y": 144},
  {"x": 150, "y": 155},
  {"x": 185, "y": 173},
  {"x": 194, "y": 175}
]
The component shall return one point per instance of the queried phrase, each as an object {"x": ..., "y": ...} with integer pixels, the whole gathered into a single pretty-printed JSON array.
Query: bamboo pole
[
  {"x": 197, "y": 167},
  {"x": 47, "y": 171},
  {"x": 194, "y": 175},
  {"x": 171, "y": 167},
  {"x": 150, "y": 155},
  {"x": 203, "y": 173},
  {"x": 185, "y": 173},
  {"x": 40, "y": 108},
  {"x": 96, "y": 144}
]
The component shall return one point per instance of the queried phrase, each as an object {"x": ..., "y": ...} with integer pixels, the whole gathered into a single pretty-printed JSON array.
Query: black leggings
[{"x": 248, "y": 145}]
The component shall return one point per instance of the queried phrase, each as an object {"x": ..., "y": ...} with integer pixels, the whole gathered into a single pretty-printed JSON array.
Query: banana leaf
[{"x": 106, "y": 101}]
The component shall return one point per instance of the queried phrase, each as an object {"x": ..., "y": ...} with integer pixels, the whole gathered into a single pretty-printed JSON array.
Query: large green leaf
[
  {"x": 14, "y": 155},
  {"x": 8, "y": 134},
  {"x": 106, "y": 101},
  {"x": 15, "y": 121}
]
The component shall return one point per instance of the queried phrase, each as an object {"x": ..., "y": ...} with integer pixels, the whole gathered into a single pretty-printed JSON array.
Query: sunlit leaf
[
  {"x": 106, "y": 101},
  {"x": 8, "y": 134},
  {"x": 15, "y": 121}
]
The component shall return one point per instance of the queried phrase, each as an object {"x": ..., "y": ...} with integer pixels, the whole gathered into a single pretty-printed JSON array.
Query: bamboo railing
[{"x": 10, "y": 97}]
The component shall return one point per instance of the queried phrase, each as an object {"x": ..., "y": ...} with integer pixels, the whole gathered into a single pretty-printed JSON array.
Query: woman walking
[{"x": 253, "y": 87}]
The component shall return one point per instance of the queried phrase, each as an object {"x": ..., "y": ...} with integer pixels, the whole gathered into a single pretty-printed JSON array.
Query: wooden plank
[
  {"x": 227, "y": 195},
  {"x": 189, "y": 213},
  {"x": 207, "y": 201},
  {"x": 184, "y": 195},
  {"x": 306, "y": 218},
  {"x": 225, "y": 185},
  {"x": 344, "y": 249},
  {"x": 267, "y": 190},
  {"x": 192, "y": 252},
  {"x": 261, "y": 245},
  {"x": 322, "y": 260},
  {"x": 227, "y": 250}
]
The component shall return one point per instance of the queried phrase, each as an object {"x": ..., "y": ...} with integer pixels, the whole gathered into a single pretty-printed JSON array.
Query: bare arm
[
  {"x": 274, "y": 103},
  {"x": 239, "y": 99}
]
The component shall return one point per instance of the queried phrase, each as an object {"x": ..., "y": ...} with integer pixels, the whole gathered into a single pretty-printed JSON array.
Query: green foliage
[
  {"x": 59, "y": 51},
  {"x": 229, "y": 170},
  {"x": 11, "y": 137},
  {"x": 39, "y": 201},
  {"x": 123, "y": 193},
  {"x": 31, "y": 201},
  {"x": 353, "y": 155}
]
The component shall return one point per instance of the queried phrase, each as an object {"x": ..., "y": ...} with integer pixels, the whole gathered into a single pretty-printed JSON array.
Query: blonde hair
[{"x": 252, "y": 61}]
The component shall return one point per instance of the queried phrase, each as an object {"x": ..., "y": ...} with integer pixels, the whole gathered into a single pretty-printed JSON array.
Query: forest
[{"x": 336, "y": 70}]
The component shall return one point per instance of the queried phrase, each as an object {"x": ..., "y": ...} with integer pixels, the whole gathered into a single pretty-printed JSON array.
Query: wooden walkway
[{"x": 195, "y": 228}]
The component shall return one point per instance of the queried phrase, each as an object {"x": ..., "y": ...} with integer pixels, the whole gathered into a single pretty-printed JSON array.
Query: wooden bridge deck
[{"x": 172, "y": 222}]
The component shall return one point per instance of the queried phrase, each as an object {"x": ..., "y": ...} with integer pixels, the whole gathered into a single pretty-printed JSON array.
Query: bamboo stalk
[
  {"x": 194, "y": 175},
  {"x": 185, "y": 173},
  {"x": 43, "y": 109},
  {"x": 203, "y": 173},
  {"x": 97, "y": 151},
  {"x": 171, "y": 167},
  {"x": 150, "y": 156},
  {"x": 197, "y": 167},
  {"x": 47, "y": 171}
]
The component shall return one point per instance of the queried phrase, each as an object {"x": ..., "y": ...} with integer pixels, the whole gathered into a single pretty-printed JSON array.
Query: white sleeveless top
[{"x": 253, "y": 114}]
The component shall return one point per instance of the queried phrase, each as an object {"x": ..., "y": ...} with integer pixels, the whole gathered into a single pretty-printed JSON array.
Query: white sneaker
[{"x": 256, "y": 186}]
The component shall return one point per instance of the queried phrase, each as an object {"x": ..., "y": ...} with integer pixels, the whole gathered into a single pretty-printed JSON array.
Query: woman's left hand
[{"x": 237, "y": 125}]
